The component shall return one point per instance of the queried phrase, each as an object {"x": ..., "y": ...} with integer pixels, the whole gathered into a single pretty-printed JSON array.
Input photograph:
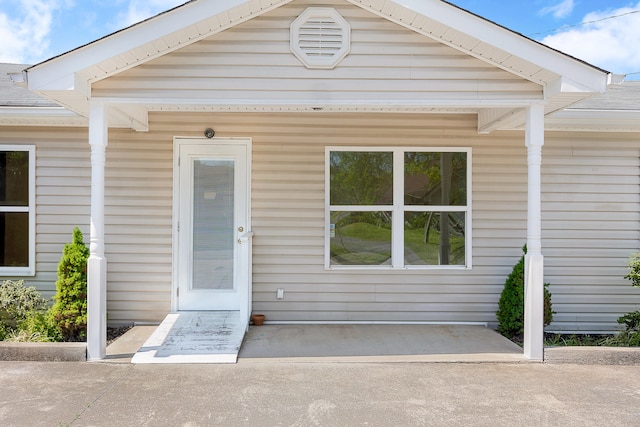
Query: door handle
[{"x": 245, "y": 237}]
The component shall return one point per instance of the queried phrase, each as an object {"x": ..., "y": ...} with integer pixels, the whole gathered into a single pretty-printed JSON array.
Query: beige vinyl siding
[
  {"x": 63, "y": 186},
  {"x": 591, "y": 202},
  {"x": 288, "y": 221},
  {"x": 138, "y": 232},
  {"x": 253, "y": 62},
  {"x": 591, "y": 217},
  {"x": 288, "y": 218}
]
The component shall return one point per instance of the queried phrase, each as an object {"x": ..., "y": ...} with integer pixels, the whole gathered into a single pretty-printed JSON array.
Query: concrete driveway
[
  {"x": 292, "y": 375},
  {"x": 318, "y": 394}
]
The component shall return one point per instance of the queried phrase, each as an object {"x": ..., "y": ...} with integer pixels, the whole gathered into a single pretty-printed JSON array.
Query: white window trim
[
  {"x": 397, "y": 227},
  {"x": 30, "y": 270}
]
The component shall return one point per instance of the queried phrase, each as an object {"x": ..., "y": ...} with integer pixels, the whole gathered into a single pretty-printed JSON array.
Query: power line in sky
[{"x": 585, "y": 23}]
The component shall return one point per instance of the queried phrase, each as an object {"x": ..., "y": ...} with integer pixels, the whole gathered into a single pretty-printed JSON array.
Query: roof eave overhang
[
  {"x": 157, "y": 36},
  {"x": 564, "y": 80},
  {"x": 489, "y": 42},
  {"x": 40, "y": 116}
]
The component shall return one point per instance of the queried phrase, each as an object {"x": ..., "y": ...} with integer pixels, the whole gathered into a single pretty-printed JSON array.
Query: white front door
[{"x": 213, "y": 229}]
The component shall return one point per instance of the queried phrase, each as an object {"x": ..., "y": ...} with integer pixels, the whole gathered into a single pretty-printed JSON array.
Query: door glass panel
[{"x": 213, "y": 228}]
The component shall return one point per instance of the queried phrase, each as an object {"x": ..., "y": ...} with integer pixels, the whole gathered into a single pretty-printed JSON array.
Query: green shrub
[
  {"x": 39, "y": 326},
  {"x": 69, "y": 312},
  {"x": 634, "y": 270},
  {"x": 510, "y": 312},
  {"x": 631, "y": 321},
  {"x": 23, "y": 314},
  {"x": 630, "y": 337},
  {"x": 17, "y": 302}
]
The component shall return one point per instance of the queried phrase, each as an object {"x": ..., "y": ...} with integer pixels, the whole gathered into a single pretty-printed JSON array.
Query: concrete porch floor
[{"x": 354, "y": 343}]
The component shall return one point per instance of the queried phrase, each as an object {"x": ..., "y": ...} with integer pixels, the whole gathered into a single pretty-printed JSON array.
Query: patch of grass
[{"x": 621, "y": 339}]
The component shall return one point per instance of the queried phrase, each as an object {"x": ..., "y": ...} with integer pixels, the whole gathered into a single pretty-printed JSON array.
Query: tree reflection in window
[{"x": 432, "y": 207}]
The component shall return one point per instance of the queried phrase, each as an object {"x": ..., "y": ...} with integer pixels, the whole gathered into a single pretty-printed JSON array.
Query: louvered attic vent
[{"x": 320, "y": 37}]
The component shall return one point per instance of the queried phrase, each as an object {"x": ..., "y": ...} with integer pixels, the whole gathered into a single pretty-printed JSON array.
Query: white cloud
[
  {"x": 609, "y": 43},
  {"x": 25, "y": 35},
  {"x": 560, "y": 10},
  {"x": 139, "y": 10}
]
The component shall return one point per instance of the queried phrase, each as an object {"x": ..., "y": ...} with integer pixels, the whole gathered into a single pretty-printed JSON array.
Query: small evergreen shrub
[
  {"x": 69, "y": 311},
  {"x": 510, "y": 312}
]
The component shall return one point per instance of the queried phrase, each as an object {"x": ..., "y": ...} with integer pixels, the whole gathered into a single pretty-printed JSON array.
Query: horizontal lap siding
[
  {"x": 288, "y": 221},
  {"x": 63, "y": 187},
  {"x": 288, "y": 218},
  {"x": 591, "y": 217},
  {"x": 138, "y": 218},
  {"x": 253, "y": 62}
]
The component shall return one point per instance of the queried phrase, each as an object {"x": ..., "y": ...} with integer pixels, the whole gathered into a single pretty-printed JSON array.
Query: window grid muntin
[{"x": 399, "y": 208}]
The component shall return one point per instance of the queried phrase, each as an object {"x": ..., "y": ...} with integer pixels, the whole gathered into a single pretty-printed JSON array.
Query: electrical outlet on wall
[{"x": 280, "y": 293}]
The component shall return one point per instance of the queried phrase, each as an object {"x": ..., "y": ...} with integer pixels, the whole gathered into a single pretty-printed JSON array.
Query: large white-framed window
[
  {"x": 17, "y": 210},
  {"x": 397, "y": 208}
]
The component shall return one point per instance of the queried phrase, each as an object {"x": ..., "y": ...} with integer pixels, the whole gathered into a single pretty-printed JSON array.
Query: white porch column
[
  {"x": 97, "y": 265},
  {"x": 534, "y": 261}
]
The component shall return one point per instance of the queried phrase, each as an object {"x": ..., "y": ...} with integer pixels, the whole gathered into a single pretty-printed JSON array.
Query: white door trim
[{"x": 245, "y": 292}]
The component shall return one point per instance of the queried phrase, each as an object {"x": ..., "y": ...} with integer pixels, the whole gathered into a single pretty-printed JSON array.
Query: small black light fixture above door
[{"x": 209, "y": 133}]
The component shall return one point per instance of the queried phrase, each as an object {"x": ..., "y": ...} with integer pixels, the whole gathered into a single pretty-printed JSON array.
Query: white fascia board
[
  {"x": 59, "y": 73},
  {"x": 586, "y": 76}
]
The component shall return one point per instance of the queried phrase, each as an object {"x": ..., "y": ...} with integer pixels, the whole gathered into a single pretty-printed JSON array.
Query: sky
[{"x": 603, "y": 33}]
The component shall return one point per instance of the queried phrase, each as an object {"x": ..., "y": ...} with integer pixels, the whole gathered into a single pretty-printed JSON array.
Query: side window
[
  {"x": 17, "y": 210},
  {"x": 398, "y": 207}
]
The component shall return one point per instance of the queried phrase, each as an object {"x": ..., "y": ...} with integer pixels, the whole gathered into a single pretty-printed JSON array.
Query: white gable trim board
[{"x": 423, "y": 75}]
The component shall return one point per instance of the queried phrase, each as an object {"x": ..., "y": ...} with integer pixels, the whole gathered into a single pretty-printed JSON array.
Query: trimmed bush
[
  {"x": 23, "y": 314},
  {"x": 17, "y": 302},
  {"x": 37, "y": 327},
  {"x": 510, "y": 312},
  {"x": 69, "y": 312}
]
